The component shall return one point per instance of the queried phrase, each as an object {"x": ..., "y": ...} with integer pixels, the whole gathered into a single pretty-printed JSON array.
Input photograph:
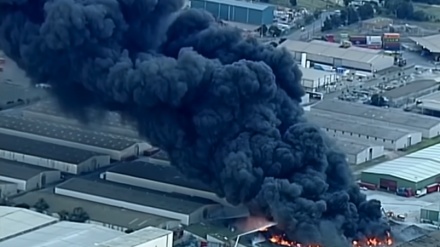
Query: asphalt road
[{"x": 310, "y": 29}]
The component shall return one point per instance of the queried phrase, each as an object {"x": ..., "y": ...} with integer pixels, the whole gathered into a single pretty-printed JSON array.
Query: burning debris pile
[{"x": 225, "y": 108}]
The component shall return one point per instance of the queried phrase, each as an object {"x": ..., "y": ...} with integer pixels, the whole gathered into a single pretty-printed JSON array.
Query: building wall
[
  {"x": 364, "y": 155},
  {"x": 388, "y": 144},
  {"x": 21, "y": 184},
  {"x": 42, "y": 179},
  {"x": 136, "y": 150},
  {"x": 8, "y": 189},
  {"x": 429, "y": 215},
  {"x": 411, "y": 98},
  {"x": 93, "y": 164},
  {"x": 360, "y": 65},
  {"x": 184, "y": 219},
  {"x": 320, "y": 83},
  {"x": 37, "y": 161},
  {"x": 375, "y": 179},
  {"x": 163, "y": 187},
  {"x": 164, "y": 241}
]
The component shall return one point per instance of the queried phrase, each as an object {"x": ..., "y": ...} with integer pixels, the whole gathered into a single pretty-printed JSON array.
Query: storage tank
[{"x": 374, "y": 42}]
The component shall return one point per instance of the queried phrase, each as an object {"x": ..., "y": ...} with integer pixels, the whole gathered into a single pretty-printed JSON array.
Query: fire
[
  {"x": 371, "y": 242},
  {"x": 281, "y": 241}
]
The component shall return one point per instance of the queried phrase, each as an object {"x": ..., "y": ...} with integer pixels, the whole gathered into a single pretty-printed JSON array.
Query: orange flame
[
  {"x": 280, "y": 241},
  {"x": 371, "y": 242}
]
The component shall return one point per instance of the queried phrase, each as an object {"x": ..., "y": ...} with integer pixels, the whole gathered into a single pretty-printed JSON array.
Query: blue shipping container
[
  {"x": 237, "y": 11},
  {"x": 391, "y": 46}
]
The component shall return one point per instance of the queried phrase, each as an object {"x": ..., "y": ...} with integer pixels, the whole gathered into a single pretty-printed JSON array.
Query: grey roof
[
  {"x": 161, "y": 155},
  {"x": 65, "y": 234},
  {"x": 430, "y": 102},
  {"x": 430, "y": 42},
  {"x": 97, "y": 212},
  {"x": 314, "y": 74},
  {"x": 410, "y": 88},
  {"x": 378, "y": 114},
  {"x": 356, "y": 128},
  {"x": 243, "y": 4},
  {"x": 329, "y": 50},
  {"x": 161, "y": 173},
  {"x": 18, "y": 170},
  {"x": 137, "y": 238},
  {"x": 59, "y": 131},
  {"x": 44, "y": 149},
  {"x": 351, "y": 147},
  {"x": 166, "y": 201}
]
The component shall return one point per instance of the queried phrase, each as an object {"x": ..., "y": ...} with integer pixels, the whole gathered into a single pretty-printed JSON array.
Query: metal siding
[
  {"x": 268, "y": 15},
  {"x": 434, "y": 131},
  {"x": 320, "y": 59},
  {"x": 357, "y": 65},
  {"x": 375, "y": 179},
  {"x": 239, "y": 14},
  {"x": 196, "y": 4},
  {"x": 427, "y": 214},
  {"x": 255, "y": 17},
  {"x": 213, "y": 8},
  {"x": 224, "y": 12}
]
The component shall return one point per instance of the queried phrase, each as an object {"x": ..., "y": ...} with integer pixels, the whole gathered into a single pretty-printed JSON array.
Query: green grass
[
  {"x": 431, "y": 10},
  {"x": 424, "y": 144}
]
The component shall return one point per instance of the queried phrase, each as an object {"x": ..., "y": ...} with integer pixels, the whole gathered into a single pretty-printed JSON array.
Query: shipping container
[
  {"x": 391, "y": 40},
  {"x": 375, "y": 47},
  {"x": 358, "y": 40},
  {"x": 391, "y": 35},
  {"x": 391, "y": 46},
  {"x": 330, "y": 38},
  {"x": 344, "y": 36},
  {"x": 432, "y": 188},
  {"x": 374, "y": 40}
]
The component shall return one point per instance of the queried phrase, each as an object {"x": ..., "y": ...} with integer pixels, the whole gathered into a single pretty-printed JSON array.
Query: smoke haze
[{"x": 226, "y": 109}]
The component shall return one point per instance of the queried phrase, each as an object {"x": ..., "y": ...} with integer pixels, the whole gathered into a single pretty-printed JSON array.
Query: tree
[
  {"x": 22, "y": 205},
  {"x": 347, "y": 2},
  {"x": 64, "y": 215},
  {"x": 366, "y": 11},
  {"x": 378, "y": 100},
  {"x": 79, "y": 215},
  {"x": 335, "y": 21},
  {"x": 352, "y": 15},
  {"x": 317, "y": 13},
  {"x": 327, "y": 25},
  {"x": 41, "y": 205},
  {"x": 294, "y": 3}
]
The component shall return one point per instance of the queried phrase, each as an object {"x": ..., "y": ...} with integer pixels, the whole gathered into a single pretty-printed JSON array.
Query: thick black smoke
[{"x": 225, "y": 108}]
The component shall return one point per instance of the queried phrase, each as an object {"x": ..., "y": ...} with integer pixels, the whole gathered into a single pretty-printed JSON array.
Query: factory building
[
  {"x": 147, "y": 237},
  {"x": 75, "y": 137},
  {"x": 358, "y": 153},
  {"x": 27, "y": 177},
  {"x": 48, "y": 155},
  {"x": 110, "y": 122},
  {"x": 7, "y": 189},
  {"x": 63, "y": 234},
  {"x": 431, "y": 239},
  {"x": 429, "y": 45},
  {"x": 430, "y": 104},
  {"x": 407, "y": 94},
  {"x": 163, "y": 178},
  {"x": 238, "y": 11},
  {"x": 430, "y": 214},
  {"x": 314, "y": 80},
  {"x": 328, "y": 54},
  {"x": 186, "y": 209},
  {"x": 417, "y": 171},
  {"x": 376, "y": 116},
  {"x": 393, "y": 139},
  {"x": 20, "y": 221}
]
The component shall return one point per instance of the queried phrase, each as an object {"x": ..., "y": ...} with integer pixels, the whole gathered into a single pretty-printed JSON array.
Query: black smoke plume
[{"x": 224, "y": 107}]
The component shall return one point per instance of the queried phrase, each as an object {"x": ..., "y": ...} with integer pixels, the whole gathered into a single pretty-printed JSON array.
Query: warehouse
[
  {"x": 163, "y": 178},
  {"x": 48, "y": 155},
  {"x": 238, "y": 11},
  {"x": 429, "y": 44},
  {"x": 431, "y": 239},
  {"x": 63, "y": 234},
  {"x": 187, "y": 209},
  {"x": 19, "y": 221},
  {"x": 430, "y": 104},
  {"x": 339, "y": 57},
  {"x": 358, "y": 153},
  {"x": 407, "y": 94},
  {"x": 110, "y": 122},
  {"x": 393, "y": 139},
  {"x": 418, "y": 171},
  {"x": 75, "y": 137},
  {"x": 147, "y": 237},
  {"x": 27, "y": 177},
  {"x": 7, "y": 189},
  {"x": 120, "y": 219},
  {"x": 314, "y": 80},
  {"x": 392, "y": 118},
  {"x": 430, "y": 214}
]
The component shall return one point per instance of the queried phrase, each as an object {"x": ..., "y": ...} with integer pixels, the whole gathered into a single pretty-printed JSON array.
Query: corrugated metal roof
[
  {"x": 431, "y": 101},
  {"x": 314, "y": 74},
  {"x": 243, "y": 4},
  {"x": 411, "y": 88},
  {"x": 430, "y": 42},
  {"x": 136, "y": 238},
  {"x": 322, "y": 49},
  {"x": 414, "y": 167}
]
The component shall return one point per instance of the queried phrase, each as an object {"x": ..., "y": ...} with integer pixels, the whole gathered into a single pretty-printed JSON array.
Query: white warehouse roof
[
  {"x": 64, "y": 234},
  {"x": 136, "y": 238},
  {"x": 15, "y": 221},
  {"x": 414, "y": 167}
]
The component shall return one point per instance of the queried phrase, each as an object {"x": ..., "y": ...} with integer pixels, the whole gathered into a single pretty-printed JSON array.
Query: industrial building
[
  {"x": 418, "y": 171},
  {"x": 48, "y": 155},
  {"x": 429, "y": 44},
  {"x": 376, "y": 116},
  {"x": 19, "y": 221},
  {"x": 358, "y": 153},
  {"x": 147, "y": 237},
  {"x": 407, "y": 94},
  {"x": 393, "y": 139},
  {"x": 75, "y": 137},
  {"x": 186, "y": 209},
  {"x": 163, "y": 178},
  {"x": 431, "y": 239},
  {"x": 27, "y": 177},
  {"x": 7, "y": 189},
  {"x": 430, "y": 104},
  {"x": 430, "y": 214},
  {"x": 314, "y": 80},
  {"x": 327, "y": 54},
  {"x": 63, "y": 234},
  {"x": 238, "y": 11}
]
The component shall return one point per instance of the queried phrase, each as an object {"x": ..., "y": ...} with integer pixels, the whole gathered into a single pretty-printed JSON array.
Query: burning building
[{"x": 225, "y": 108}]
